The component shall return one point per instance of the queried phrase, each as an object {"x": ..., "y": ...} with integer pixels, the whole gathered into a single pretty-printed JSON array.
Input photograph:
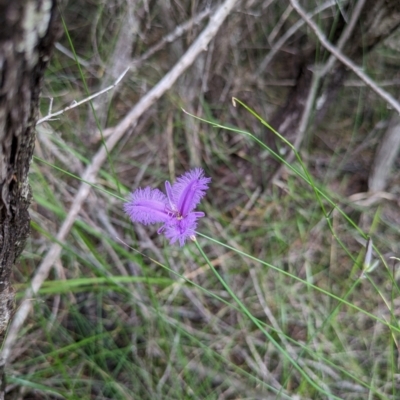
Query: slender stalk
[{"x": 256, "y": 322}]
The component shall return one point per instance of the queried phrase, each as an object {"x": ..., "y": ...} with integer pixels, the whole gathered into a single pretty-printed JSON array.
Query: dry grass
[{"x": 152, "y": 321}]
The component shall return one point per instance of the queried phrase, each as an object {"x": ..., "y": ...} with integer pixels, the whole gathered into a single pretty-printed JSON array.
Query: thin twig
[
  {"x": 46, "y": 136},
  {"x": 290, "y": 32},
  {"x": 315, "y": 84},
  {"x": 78, "y": 103},
  {"x": 289, "y": 348},
  {"x": 345, "y": 36},
  {"x": 279, "y": 24},
  {"x": 178, "y": 32},
  {"x": 90, "y": 174},
  {"x": 71, "y": 55},
  {"x": 318, "y": 75},
  {"x": 385, "y": 156},
  {"x": 116, "y": 64},
  {"x": 250, "y": 203},
  {"x": 346, "y": 61}
]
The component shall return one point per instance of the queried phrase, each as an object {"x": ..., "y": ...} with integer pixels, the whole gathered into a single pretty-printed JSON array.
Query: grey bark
[{"x": 28, "y": 30}]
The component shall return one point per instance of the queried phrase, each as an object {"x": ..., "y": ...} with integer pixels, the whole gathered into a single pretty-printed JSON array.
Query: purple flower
[{"x": 175, "y": 210}]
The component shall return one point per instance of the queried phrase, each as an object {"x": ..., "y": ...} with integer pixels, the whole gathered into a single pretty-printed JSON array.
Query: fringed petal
[
  {"x": 181, "y": 229},
  {"x": 189, "y": 189},
  {"x": 176, "y": 210},
  {"x": 147, "y": 206}
]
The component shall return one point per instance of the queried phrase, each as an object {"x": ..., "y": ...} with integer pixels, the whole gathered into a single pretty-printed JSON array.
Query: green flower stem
[{"x": 259, "y": 325}]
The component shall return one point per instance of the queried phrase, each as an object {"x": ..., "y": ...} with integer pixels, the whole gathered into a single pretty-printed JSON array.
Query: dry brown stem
[
  {"x": 90, "y": 174},
  {"x": 385, "y": 156},
  {"x": 345, "y": 60}
]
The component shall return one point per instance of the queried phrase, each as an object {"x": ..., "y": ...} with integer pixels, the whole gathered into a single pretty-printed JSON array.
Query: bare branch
[
  {"x": 178, "y": 32},
  {"x": 319, "y": 74},
  {"x": 90, "y": 174},
  {"x": 71, "y": 55},
  {"x": 289, "y": 33},
  {"x": 116, "y": 64},
  {"x": 315, "y": 85},
  {"x": 385, "y": 156},
  {"x": 76, "y": 104},
  {"x": 345, "y": 60},
  {"x": 345, "y": 35}
]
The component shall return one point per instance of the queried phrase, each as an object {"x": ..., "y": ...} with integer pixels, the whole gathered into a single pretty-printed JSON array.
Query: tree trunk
[{"x": 28, "y": 30}]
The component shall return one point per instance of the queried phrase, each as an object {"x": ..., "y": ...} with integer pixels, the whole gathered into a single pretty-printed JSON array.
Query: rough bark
[{"x": 28, "y": 30}]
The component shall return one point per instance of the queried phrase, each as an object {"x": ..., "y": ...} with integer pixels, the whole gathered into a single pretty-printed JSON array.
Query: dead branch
[
  {"x": 90, "y": 174},
  {"x": 171, "y": 37},
  {"x": 345, "y": 60},
  {"x": 318, "y": 75},
  {"x": 385, "y": 156},
  {"x": 287, "y": 35},
  {"x": 85, "y": 100},
  {"x": 116, "y": 64}
]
